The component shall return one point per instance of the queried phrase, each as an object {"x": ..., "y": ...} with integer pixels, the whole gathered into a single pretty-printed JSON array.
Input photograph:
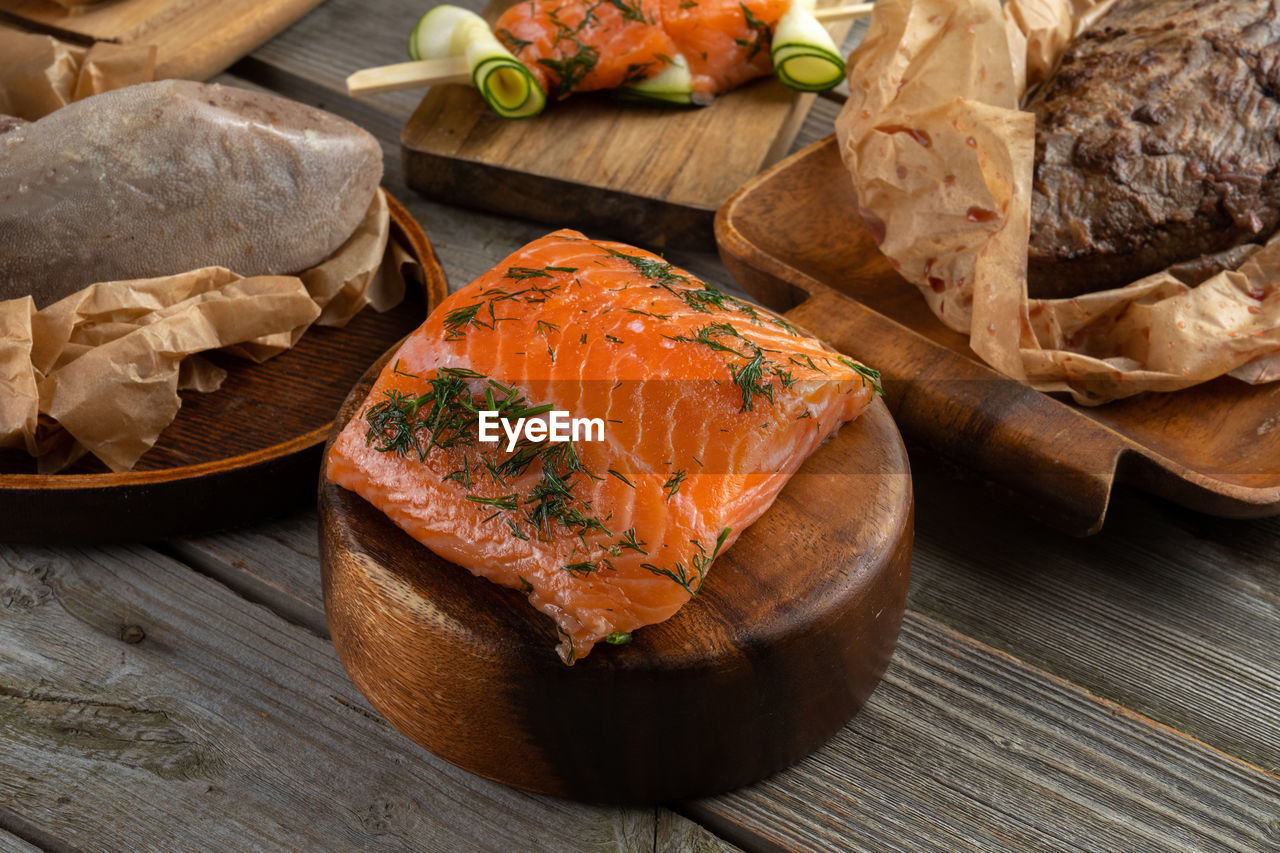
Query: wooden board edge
[
  {"x": 637, "y": 219},
  {"x": 781, "y": 286}
]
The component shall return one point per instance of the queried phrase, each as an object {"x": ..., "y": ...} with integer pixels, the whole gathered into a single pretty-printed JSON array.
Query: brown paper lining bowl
[{"x": 246, "y": 452}]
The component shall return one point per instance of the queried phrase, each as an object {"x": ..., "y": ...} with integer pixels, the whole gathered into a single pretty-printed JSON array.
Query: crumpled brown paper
[
  {"x": 942, "y": 158},
  {"x": 100, "y": 370},
  {"x": 39, "y": 73}
]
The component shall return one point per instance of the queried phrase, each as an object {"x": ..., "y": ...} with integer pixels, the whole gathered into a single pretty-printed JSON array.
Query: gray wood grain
[
  {"x": 677, "y": 834},
  {"x": 14, "y": 844},
  {"x": 342, "y": 36},
  {"x": 965, "y": 748},
  {"x": 274, "y": 564},
  {"x": 143, "y": 706},
  {"x": 1171, "y": 613},
  {"x": 818, "y": 124}
]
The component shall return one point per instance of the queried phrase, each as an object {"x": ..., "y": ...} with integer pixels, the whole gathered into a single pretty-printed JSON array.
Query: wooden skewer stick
[
  {"x": 844, "y": 13},
  {"x": 408, "y": 75}
]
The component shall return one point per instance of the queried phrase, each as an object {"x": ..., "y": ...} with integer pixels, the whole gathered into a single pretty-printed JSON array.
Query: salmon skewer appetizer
[
  {"x": 702, "y": 46},
  {"x": 658, "y": 51},
  {"x": 706, "y": 407}
]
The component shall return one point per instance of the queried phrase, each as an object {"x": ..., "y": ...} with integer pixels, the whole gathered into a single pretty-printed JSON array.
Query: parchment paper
[
  {"x": 39, "y": 74},
  {"x": 942, "y": 158},
  {"x": 100, "y": 370}
]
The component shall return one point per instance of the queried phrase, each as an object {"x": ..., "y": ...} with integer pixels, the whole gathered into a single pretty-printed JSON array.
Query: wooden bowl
[
  {"x": 790, "y": 635},
  {"x": 244, "y": 453}
]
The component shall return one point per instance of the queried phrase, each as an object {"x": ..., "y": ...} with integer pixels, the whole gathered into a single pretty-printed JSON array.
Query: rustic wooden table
[{"x": 1115, "y": 693}]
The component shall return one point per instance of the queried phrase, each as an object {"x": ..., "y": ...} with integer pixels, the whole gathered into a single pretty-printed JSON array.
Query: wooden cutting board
[
  {"x": 653, "y": 176},
  {"x": 793, "y": 239},
  {"x": 195, "y": 39}
]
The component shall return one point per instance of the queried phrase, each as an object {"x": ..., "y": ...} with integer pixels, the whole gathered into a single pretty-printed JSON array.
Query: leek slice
[
  {"x": 673, "y": 85},
  {"x": 506, "y": 85},
  {"x": 804, "y": 55}
]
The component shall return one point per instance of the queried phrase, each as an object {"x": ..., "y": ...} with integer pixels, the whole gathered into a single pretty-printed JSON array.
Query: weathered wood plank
[
  {"x": 939, "y": 547},
  {"x": 143, "y": 706},
  {"x": 343, "y": 36},
  {"x": 14, "y": 844},
  {"x": 1171, "y": 613},
  {"x": 818, "y": 124},
  {"x": 274, "y": 564},
  {"x": 678, "y": 834},
  {"x": 964, "y": 748}
]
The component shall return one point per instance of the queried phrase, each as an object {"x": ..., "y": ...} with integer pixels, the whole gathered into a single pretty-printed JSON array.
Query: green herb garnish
[
  {"x": 869, "y": 375},
  {"x": 674, "y": 484}
]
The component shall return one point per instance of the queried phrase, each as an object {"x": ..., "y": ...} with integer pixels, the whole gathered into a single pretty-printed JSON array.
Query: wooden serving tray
[
  {"x": 195, "y": 39},
  {"x": 792, "y": 238},
  {"x": 248, "y": 451},
  {"x": 791, "y": 634},
  {"x": 648, "y": 175}
]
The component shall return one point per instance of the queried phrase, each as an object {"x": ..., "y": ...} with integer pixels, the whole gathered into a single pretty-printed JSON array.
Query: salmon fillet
[
  {"x": 725, "y": 42},
  {"x": 576, "y": 46},
  {"x": 583, "y": 47},
  {"x": 708, "y": 406}
]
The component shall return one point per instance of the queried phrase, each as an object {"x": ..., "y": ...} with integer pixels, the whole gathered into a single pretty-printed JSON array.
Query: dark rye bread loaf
[{"x": 1156, "y": 142}]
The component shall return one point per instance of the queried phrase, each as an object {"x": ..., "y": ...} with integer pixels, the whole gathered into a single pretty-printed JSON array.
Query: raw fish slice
[
  {"x": 577, "y": 47},
  {"x": 725, "y": 42},
  {"x": 709, "y": 406}
]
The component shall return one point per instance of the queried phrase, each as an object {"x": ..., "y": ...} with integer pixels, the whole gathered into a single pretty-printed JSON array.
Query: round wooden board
[
  {"x": 790, "y": 635},
  {"x": 246, "y": 452}
]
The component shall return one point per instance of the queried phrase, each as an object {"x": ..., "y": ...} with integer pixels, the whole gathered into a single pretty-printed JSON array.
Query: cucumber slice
[
  {"x": 673, "y": 85},
  {"x": 507, "y": 86},
  {"x": 434, "y": 36},
  {"x": 804, "y": 55}
]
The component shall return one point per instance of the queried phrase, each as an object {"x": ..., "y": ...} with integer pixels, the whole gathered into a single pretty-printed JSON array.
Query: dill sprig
[
  {"x": 635, "y": 73},
  {"x": 525, "y": 273},
  {"x": 552, "y": 503},
  {"x": 571, "y": 70},
  {"x": 870, "y": 376},
  {"x": 649, "y": 314},
  {"x": 760, "y": 30},
  {"x": 583, "y": 569},
  {"x": 462, "y": 476},
  {"x": 630, "y": 12},
  {"x": 458, "y": 320},
  {"x": 446, "y": 413},
  {"x": 628, "y": 540},
  {"x": 513, "y": 43},
  {"x": 674, "y": 483},
  {"x": 507, "y": 502},
  {"x": 807, "y": 362},
  {"x": 698, "y": 295},
  {"x": 698, "y": 565},
  {"x": 748, "y": 377}
]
